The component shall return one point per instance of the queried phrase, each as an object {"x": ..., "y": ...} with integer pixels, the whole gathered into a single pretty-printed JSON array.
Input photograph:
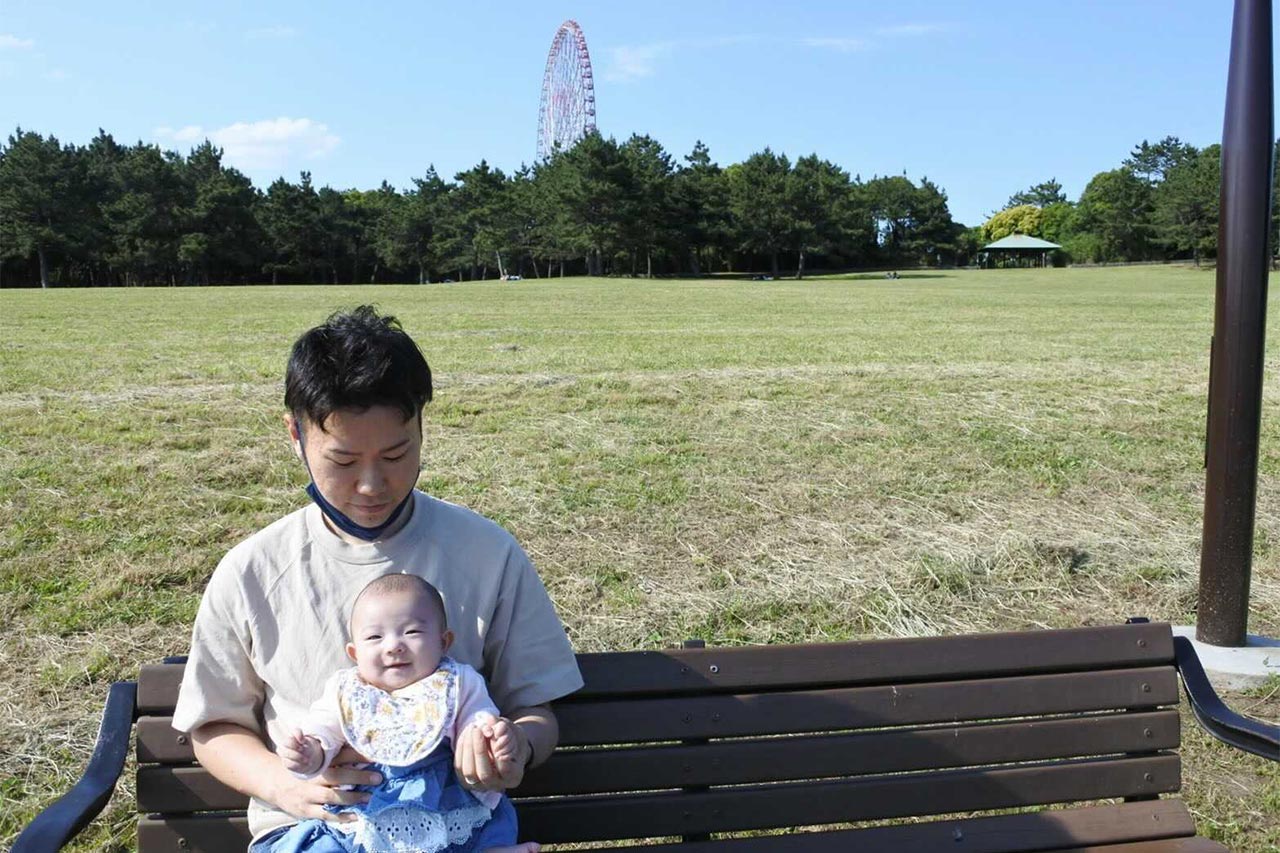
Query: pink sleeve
[
  {"x": 474, "y": 701},
  {"x": 474, "y": 705}
]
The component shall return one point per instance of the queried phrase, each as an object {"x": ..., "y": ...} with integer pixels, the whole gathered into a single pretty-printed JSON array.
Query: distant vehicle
[
  {"x": 762, "y": 278},
  {"x": 446, "y": 281},
  {"x": 514, "y": 278}
]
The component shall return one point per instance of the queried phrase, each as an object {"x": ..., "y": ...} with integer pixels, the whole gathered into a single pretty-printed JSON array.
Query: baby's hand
[
  {"x": 505, "y": 745},
  {"x": 301, "y": 754}
]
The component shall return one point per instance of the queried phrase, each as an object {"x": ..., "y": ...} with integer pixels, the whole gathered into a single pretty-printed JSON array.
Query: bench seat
[{"x": 1069, "y": 736}]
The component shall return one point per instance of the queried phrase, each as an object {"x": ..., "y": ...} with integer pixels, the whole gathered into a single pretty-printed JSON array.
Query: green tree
[
  {"x": 758, "y": 201},
  {"x": 1041, "y": 195},
  {"x": 1115, "y": 209},
  {"x": 818, "y": 206},
  {"x": 1022, "y": 219},
  {"x": 479, "y": 209},
  {"x": 1152, "y": 161},
  {"x": 289, "y": 215},
  {"x": 144, "y": 214},
  {"x": 1185, "y": 205},
  {"x": 700, "y": 201},
  {"x": 647, "y": 202},
  {"x": 37, "y": 188},
  {"x": 932, "y": 234},
  {"x": 219, "y": 235},
  {"x": 595, "y": 182}
]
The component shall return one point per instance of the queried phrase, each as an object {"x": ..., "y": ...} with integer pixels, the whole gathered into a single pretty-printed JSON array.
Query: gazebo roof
[{"x": 1021, "y": 241}]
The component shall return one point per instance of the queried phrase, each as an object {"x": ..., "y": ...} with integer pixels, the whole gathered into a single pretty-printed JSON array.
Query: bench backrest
[{"x": 693, "y": 741}]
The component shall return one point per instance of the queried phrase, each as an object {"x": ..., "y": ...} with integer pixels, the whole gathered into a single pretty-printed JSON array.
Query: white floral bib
[{"x": 401, "y": 727}]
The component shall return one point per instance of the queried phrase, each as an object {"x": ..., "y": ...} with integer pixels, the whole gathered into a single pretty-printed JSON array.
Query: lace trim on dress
[{"x": 412, "y": 829}]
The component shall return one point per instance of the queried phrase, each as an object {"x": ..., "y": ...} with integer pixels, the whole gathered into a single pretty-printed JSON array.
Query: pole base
[{"x": 1236, "y": 668}]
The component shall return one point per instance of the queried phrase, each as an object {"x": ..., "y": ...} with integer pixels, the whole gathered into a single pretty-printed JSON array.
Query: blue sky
[{"x": 983, "y": 98}]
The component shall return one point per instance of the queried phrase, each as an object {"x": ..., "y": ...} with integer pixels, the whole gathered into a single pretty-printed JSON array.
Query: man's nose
[{"x": 372, "y": 481}]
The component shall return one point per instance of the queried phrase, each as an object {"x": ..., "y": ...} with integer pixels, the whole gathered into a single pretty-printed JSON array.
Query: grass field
[{"x": 740, "y": 461}]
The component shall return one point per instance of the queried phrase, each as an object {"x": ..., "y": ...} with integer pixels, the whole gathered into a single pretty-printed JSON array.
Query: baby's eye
[
  {"x": 373, "y": 637},
  {"x": 413, "y": 631}
]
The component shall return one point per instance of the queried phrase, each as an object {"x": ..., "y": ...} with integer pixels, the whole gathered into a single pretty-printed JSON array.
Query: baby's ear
[
  {"x": 351, "y": 651},
  {"x": 446, "y": 640}
]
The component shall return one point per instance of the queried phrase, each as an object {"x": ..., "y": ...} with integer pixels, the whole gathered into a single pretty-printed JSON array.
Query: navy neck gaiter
[{"x": 339, "y": 519}]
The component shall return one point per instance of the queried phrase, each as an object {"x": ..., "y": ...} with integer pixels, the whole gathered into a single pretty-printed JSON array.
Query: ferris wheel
[{"x": 567, "y": 110}]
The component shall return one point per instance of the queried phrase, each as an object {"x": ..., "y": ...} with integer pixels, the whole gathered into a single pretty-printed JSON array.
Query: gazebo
[{"x": 1021, "y": 248}]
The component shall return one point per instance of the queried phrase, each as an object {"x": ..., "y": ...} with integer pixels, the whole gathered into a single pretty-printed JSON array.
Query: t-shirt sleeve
[
  {"x": 527, "y": 655},
  {"x": 220, "y": 683}
]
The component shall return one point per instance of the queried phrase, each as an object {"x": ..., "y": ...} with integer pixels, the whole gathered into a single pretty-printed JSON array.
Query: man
[{"x": 271, "y": 625}]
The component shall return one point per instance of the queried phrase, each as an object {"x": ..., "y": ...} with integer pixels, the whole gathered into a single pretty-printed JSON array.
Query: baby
[{"x": 403, "y": 706}]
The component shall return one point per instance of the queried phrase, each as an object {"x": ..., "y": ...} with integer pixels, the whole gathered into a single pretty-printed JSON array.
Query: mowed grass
[{"x": 739, "y": 461}]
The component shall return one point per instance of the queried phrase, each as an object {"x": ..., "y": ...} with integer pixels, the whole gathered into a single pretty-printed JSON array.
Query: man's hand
[
  {"x": 491, "y": 755},
  {"x": 307, "y": 798},
  {"x": 237, "y": 757}
]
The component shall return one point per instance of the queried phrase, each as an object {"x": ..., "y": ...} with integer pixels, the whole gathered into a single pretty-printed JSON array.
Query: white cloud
[
  {"x": 271, "y": 33},
  {"x": 57, "y": 74},
  {"x": 846, "y": 45},
  {"x": 12, "y": 42},
  {"x": 263, "y": 145},
  {"x": 631, "y": 62},
  {"x": 910, "y": 30}
]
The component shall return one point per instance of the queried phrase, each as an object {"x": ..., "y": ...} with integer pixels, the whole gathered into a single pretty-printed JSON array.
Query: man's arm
[
  {"x": 541, "y": 731},
  {"x": 236, "y": 756}
]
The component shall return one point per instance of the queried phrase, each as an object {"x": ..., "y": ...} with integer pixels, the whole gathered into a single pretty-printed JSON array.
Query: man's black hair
[{"x": 355, "y": 360}]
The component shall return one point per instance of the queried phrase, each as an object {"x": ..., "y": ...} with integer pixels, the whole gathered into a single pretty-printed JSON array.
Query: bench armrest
[
  {"x": 1214, "y": 716},
  {"x": 60, "y": 822}
]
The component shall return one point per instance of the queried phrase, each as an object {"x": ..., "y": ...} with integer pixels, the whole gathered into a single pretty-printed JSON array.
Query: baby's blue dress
[{"x": 419, "y": 807}]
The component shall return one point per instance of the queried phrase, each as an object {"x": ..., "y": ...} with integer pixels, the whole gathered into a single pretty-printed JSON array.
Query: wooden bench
[{"x": 690, "y": 743}]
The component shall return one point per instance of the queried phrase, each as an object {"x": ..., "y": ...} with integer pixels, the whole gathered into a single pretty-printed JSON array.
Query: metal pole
[{"x": 1239, "y": 321}]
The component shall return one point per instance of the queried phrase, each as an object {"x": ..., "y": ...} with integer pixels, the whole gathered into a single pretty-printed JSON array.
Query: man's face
[{"x": 364, "y": 463}]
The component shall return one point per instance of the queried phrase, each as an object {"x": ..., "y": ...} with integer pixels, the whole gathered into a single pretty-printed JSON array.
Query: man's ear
[
  {"x": 351, "y": 651},
  {"x": 446, "y": 640},
  {"x": 295, "y": 433}
]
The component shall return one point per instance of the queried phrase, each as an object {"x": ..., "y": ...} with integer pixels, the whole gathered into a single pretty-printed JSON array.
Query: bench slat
[
  {"x": 798, "y": 804},
  {"x": 158, "y": 742},
  {"x": 1017, "y": 833},
  {"x": 874, "y": 661},
  {"x": 190, "y": 788},
  {"x": 683, "y": 671},
  {"x": 1147, "y": 822},
  {"x": 591, "y": 723},
  {"x": 202, "y": 834},
  {"x": 782, "y": 759}
]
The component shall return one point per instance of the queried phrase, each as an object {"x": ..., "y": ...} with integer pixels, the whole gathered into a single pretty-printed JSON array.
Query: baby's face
[{"x": 396, "y": 639}]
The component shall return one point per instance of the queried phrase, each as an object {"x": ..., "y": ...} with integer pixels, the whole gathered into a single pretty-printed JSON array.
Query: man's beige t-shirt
[{"x": 272, "y": 625}]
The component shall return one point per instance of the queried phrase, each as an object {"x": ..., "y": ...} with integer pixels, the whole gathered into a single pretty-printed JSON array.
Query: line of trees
[
  {"x": 110, "y": 214},
  {"x": 1161, "y": 203}
]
